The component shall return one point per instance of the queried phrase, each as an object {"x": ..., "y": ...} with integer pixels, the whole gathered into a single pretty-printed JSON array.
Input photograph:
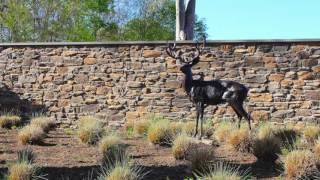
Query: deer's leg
[
  {"x": 198, "y": 109},
  {"x": 237, "y": 112},
  {"x": 201, "y": 120},
  {"x": 243, "y": 113}
]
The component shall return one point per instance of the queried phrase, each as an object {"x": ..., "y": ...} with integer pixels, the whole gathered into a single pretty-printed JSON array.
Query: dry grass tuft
[
  {"x": 8, "y": 121},
  {"x": 176, "y": 127},
  {"x": 160, "y": 132},
  {"x": 90, "y": 130},
  {"x": 200, "y": 158},
  {"x": 21, "y": 171},
  {"x": 109, "y": 142},
  {"x": 222, "y": 130},
  {"x": 240, "y": 139},
  {"x": 266, "y": 146},
  {"x": 31, "y": 135},
  {"x": 189, "y": 128},
  {"x": 45, "y": 123},
  {"x": 300, "y": 164},
  {"x": 316, "y": 150},
  {"x": 311, "y": 133},
  {"x": 120, "y": 168},
  {"x": 208, "y": 129},
  {"x": 140, "y": 127},
  {"x": 181, "y": 146},
  {"x": 223, "y": 171}
]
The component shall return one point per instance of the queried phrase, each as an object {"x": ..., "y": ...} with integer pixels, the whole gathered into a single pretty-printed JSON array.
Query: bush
[
  {"x": 90, "y": 130},
  {"x": 120, "y": 168},
  {"x": 140, "y": 127},
  {"x": 208, "y": 129},
  {"x": 31, "y": 134},
  {"x": 266, "y": 146},
  {"x": 108, "y": 142},
  {"x": 181, "y": 146},
  {"x": 8, "y": 121},
  {"x": 177, "y": 127},
  {"x": 316, "y": 150},
  {"x": 45, "y": 123},
  {"x": 21, "y": 171},
  {"x": 23, "y": 168},
  {"x": 222, "y": 130},
  {"x": 311, "y": 133},
  {"x": 160, "y": 132},
  {"x": 189, "y": 128},
  {"x": 200, "y": 158},
  {"x": 223, "y": 171},
  {"x": 26, "y": 155},
  {"x": 240, "y": 139},
  {"x": 300, "y": 164}
]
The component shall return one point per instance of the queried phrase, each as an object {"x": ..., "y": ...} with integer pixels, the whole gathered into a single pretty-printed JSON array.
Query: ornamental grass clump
[
  {"x": 31, "y": 134},
  {"x": 23, "y": 169},
  {"x": 223, "y": 171},
  {"x": 222, "y": 131},
  {"x": 90, "y": 130},
  {"x": 45, "y": 123},
  {"x": 266, "y": 146},
  {"x": 108, "y": 142},
  {"x": 160, "y": 132},
  {"x": 311, "y": 133},
  {"x": 240, "y": 139},
  {"x": 189, "y": 128},
  {"x": 300, "y": 164},
  {"x": 182, "y": 145},
  {"x": 140, "y": 127},
  {"x": 120, "y": 167},
  {"x": 9, "y": 121},
  {"x": 200, "y": 158}
]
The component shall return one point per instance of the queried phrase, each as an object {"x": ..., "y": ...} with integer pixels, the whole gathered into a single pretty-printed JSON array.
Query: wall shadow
[{"x": 11, "y": 102}]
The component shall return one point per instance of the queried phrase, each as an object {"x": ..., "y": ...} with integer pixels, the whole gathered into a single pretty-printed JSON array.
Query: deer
[{"x": 214, "y": 92}]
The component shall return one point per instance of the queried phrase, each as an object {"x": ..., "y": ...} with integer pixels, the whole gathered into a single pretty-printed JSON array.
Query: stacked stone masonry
[{"x": 120, "y": 82}]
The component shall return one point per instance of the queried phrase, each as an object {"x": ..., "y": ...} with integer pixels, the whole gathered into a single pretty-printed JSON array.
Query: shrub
[
  {"x": 311, "y": 133},
  {"x": 181, "y": 146},
  {"x": 266, "y": 146},
  {"x": 300, "y": 164},
  {"x": 222, "y": 130},
  {"x": 208, "y": 129},
  {"x": 160, "y": 132},
  {"x": 200, "y": 158},
  {"x": 240, "y": 139},
  {"x": 108, "y": 142},
  {"x": 176, "y": 127},
  {"x": 8, "y": 121},
  {"x": 316, "y": 150},
  {"x": 189, "y": 128},
  {"x": 45, "y": 123},
  {"x": 21, "y": 171},
  {"x": 90, "y": 130},
  {"x": 26, "y": 155},
  {"x": 140, "y": 127},
  {"x": 223, "y": 171},
  {"x": 288, "y": 136},
  {"x": 120, "y": 169},
  {"x": 31, "y": 135}
]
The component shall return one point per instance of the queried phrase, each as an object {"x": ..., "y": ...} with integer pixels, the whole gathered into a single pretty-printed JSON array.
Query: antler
[{"x": 171, "y": 51}]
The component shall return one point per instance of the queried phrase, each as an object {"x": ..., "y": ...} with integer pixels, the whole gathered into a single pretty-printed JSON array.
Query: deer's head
[{"x": 186, "y": 61}]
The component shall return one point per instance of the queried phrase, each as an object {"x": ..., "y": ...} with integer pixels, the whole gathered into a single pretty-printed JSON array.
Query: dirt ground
[{"x": 62, "y": 156}]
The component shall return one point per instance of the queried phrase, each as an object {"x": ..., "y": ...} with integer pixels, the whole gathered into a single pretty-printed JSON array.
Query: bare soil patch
[{"x": 63, "y": 156}]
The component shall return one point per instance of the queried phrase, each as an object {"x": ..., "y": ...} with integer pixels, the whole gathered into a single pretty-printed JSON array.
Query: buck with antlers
[{"x": 204, "y": 93}]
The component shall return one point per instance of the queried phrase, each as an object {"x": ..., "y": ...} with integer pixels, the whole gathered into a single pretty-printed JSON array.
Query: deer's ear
[{"x": 195, "y": 61}]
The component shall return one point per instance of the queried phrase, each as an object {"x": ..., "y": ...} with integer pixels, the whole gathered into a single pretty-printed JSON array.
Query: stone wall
[{"x": 127, "y": 80}]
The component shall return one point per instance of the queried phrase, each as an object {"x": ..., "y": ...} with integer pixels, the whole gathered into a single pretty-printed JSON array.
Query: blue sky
[{"x": 260, "y": 19}]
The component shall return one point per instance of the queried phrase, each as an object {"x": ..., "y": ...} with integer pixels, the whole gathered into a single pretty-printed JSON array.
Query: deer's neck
[{"x": 188, "y": 82}]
